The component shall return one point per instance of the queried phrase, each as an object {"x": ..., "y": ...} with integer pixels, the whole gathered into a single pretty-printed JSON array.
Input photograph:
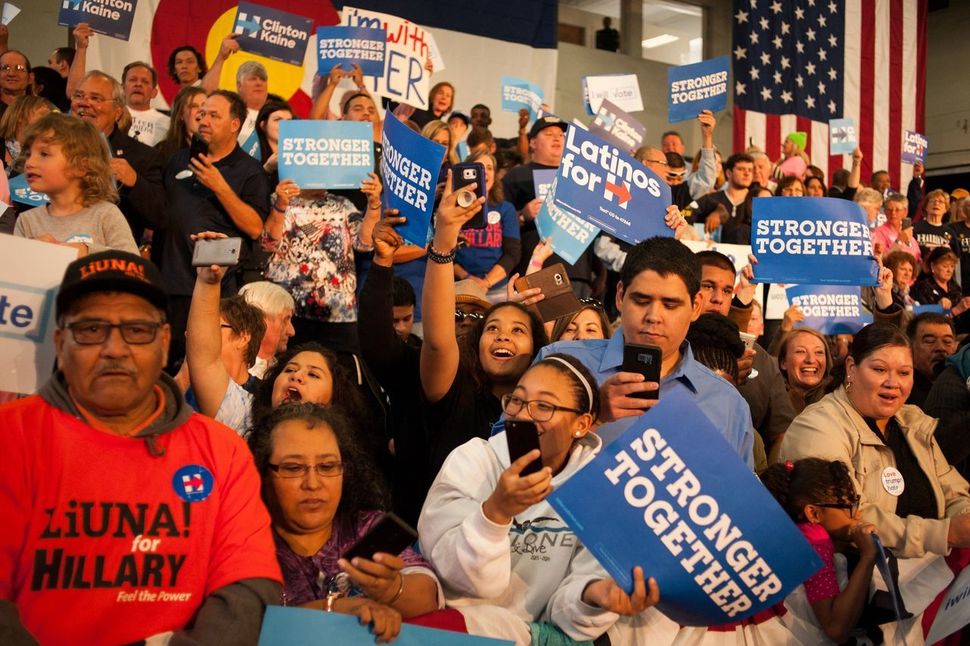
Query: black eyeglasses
[
  {"x": 97, "y": 332},
  {"x": 539, "y": 410},
  {"x": 299, "y": 470},
  {"x": 475, "y": 316},
  {"x": 851, "y": 507}
]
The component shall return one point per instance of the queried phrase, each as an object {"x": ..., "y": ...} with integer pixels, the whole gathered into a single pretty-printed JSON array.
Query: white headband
[{"x": 579, "y": 375}]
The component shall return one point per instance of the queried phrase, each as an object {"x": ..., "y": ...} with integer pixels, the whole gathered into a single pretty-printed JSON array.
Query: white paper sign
[
  {"x": 30, "y": 273},
  {"x": 623, "y": 91},
  {"x": 954, "y": 612},
  {"x": 9, "y": 13}
]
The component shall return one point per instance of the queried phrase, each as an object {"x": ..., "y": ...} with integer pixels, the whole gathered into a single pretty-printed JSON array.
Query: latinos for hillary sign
[
  {"x": 914, "y": 148},
  {"x": 409, "y": 166},
  {"x": 109, "y": 17},
  {"x": 325, "y": 154},
  {"x": 697, "y": 87},
  {"x": 617, "y": 127},
  {"x": 347, "y": 46},
  {"x": 830, "y": 309},
  {"x": 603, "y": 185},
  {"x": 272, "y": 33},
  {"x": 673, "y": 498},
  {"x": 812, "y": 240},
  {"x": 518, "y": 94}
]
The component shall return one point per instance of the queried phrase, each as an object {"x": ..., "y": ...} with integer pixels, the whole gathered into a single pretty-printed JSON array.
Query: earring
[
  {"x": 577, "y": 434},
  {"x": 848, "y": 385}
]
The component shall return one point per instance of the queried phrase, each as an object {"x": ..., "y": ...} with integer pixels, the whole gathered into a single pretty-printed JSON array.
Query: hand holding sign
[
  {"x": 606, "y": 594},
  {"x": 386, "y": 239},
  {"x": 82, "y": 35}
]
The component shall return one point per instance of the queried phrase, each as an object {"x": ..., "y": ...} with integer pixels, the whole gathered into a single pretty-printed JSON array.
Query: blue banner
[
  {"x": 568, "y": 234},
  {"x": 830, "y": 309},
  {"x": 409, "y": 167},
  {"x": 22, "y": 193},
  {"x": 936, "y": 309},
  {"x": 914, "y": 148},
  {"x": 109, "y": 18},
  {"x": 617, "y": 127},
  {"x": 842, "y": 137},
  {"x": 606, "y": 187},
  {"x": 815, "y": 241},
  {"x": 518, "y": 94},
  {"x": 542, "y": 179},
  {"x": 304, "y": 627},
  {"x": 348, "y": 45},
  {"x": 696, "y": 87},
  {"x": 675, "y": 499},
  {"x": 251, "y": 145},
  {"x": 272, "y": 33},
  {"x": 325, "y": 154}
]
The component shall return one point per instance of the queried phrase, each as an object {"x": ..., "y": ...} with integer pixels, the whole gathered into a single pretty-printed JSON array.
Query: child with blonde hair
[{"x": 68, "y": 159}]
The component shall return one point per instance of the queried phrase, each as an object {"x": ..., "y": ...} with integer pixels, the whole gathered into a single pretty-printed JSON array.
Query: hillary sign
[
  {"x": 830, "y": 309},
  {"x": 272, "y": 33},
  {"x": 109, "y": 17},
  {"x": 518, "y": 94},
  {"x": 599, "y": 183},
  {"x": 697, "y": 87},
  {"x": 815, "y": 241},
  {"x": 348, "y": 46},
  {"x": 325, "y": 154},
  {"x": 410, "y": 165},
  {"x": 669, "y": 497}
]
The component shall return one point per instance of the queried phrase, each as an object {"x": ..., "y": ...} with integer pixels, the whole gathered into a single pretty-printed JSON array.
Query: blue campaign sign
[
  {"x": 272, "y": 33},
  {"x": 348, "y": 45},
  {"x": 601, "y": 184},
  {"x": 409, "y": 166},
  {"x": 568, "y": 234},
  {"x": 675, "y": 499},
  {"x": 325, "y": 154},
  {"x": 22, "y": 193},
  {"x": 696, "y": 87},
  {"x": 842, "y": 137},
  {"x": 542, "y": 179},
  {"x": 914, "y": 148},
  {"x": 518, "y": 94},
  {"x": 614, "y": 125},
  {"x": 303, "y": 627},
  {"x": 830, "y": 309},
  {"x": 109, "y": 17},
  {"x": 813, "y": 241},
  {"x": 251, "y": 145}
]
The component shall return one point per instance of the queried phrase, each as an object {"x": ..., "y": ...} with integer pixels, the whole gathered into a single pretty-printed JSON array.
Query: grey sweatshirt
[{"x": 100, "y": 226}]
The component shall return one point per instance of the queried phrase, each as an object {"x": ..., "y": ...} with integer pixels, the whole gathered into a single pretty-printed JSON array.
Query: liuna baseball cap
[{"x": 111, "y": 271}]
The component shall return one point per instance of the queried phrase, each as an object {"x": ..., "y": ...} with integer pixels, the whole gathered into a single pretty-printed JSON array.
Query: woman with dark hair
[
  {"x": 268, "y": 133},
  {"x": 323, "y": 495},
  {"x": 481, "y": 510},
  {"x": 49, "y": 84},
  {"x": 186, "y": 106},
  {"x": 790, "y": 186},
  {"x": 814, "y": 186},
  {"x": 908, "y": 490},
  {"x": 464, "y": 384},
  {"x": 186, "y": 66},
  {"x": 591, "y": 322}
]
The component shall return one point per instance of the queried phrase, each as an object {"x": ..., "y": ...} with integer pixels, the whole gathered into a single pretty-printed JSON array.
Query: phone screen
[
  {"x": 644, "y": 359},
  {"x": 523, "y": 437}
]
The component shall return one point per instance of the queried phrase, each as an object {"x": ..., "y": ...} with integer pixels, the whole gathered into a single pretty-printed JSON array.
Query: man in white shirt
[{"x": 140, "y": 83}]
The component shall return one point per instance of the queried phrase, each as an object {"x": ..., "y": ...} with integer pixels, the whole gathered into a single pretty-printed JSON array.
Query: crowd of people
[{"x": 214, "y": 439}]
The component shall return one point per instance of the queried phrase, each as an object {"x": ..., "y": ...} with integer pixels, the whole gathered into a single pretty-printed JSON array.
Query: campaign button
[
  {"x": 494, "y": 217},
  {"x": 892, "y": 481},
  {"x": 193, "y": 483}
]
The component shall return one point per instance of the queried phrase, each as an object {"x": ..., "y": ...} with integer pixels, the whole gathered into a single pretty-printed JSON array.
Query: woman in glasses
[
  {"x": 483, "y": 518},
  {"x": 323, "y": 495}
]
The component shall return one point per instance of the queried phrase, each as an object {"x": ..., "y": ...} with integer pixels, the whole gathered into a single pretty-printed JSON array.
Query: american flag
[{"x": 800, "y": 63}]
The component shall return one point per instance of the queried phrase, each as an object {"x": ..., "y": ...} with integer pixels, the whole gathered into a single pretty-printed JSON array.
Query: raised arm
[
  {"x": 203, "y": 338},
  {"x": 321, "y": 105},
  {"x": 82, "y": 36},
  {"x": 228, "y": 47}
]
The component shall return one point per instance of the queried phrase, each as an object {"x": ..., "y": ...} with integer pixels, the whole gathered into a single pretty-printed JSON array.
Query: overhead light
[{"x": 659, "y": 41}]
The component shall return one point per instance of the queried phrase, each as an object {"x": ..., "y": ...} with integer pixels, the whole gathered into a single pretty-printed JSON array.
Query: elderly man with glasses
[
  {"x": 14, "y": 77},
  {"x": 126, "y": 516}
]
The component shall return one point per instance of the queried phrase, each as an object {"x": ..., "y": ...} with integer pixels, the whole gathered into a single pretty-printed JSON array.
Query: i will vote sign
[
  {"x": 914, "y": 148},
  {"x": 518, "y": 94},
  {"x": 813, "y": 241},
  {"x": 697, "y": 87},
  {"x": 409, "y": 166},
  {"x": 617, "y": 127},
  {"x": 109, "y": 17},
  {"x": 405, "y": 78},
  {"x": 842, "y": 137},
  {"x": 671, "y": 496},
  {"x": 601, "y": 184},
  {"x": 347, "y": 46},
  {"x": 830, "y": 309},
  {"x": 272, "y": 33},
  {"x": 622, "y": 90},
  {"x": 568, "y": 235},
  {"x": 325, "y": 154},
  {"x": 954, "y": 612},
  {"x": 21, "y": 192}
]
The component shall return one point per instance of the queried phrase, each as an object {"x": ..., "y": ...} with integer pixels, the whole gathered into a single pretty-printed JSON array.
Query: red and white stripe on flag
[{"x": 884, "y": 93}]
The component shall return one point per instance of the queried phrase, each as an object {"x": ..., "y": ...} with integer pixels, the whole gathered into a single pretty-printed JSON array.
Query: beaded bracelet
[{"x": 441, "y": 258}]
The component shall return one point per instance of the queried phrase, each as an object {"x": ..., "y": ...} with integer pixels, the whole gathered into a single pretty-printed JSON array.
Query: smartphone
[
  {"x": 390, "y": 535},
  {"x": 463, "y": 175},
  {"x": 522, "y": 437},
  {"x": 644, "y": 359},
  {"x": 221, "y": 251},
  {"x": 198, "y": 147},
  {"x": 560, "y": 300}
]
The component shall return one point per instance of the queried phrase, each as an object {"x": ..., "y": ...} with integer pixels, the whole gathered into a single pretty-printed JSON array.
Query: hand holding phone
[
  {"x": 463, "y": 175},
  {"x": 223, "y": 252},
  {"x": 197, "y": 147},
  {"x": 645, "y": 360},
  {"x": 523, "y": 436}
]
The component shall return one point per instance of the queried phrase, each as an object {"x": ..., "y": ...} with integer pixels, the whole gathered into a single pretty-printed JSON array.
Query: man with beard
[{"x": 933, "y": 339}]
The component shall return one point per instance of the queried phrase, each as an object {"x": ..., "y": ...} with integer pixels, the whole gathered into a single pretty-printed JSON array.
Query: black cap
[
  {"x": 545, "y": 122},
  {"x": 111, "y": 271},
  {"x": 459, "y": 115}
]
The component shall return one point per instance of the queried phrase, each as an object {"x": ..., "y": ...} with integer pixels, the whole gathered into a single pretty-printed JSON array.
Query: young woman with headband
[{"x": 507, "y": 561}]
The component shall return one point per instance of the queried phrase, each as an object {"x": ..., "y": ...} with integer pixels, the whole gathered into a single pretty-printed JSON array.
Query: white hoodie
[{"x": 502, "y": 576}]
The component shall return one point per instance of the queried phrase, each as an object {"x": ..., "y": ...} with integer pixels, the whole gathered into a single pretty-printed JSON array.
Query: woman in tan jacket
[{"x": 909, "y": 492}]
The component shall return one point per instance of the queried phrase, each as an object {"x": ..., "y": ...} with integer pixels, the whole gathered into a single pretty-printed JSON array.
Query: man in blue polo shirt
[{"x": 658, "y": 297}]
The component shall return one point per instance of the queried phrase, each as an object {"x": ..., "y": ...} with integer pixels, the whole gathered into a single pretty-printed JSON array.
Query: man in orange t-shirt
[{"x": 125, "y": 515}]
